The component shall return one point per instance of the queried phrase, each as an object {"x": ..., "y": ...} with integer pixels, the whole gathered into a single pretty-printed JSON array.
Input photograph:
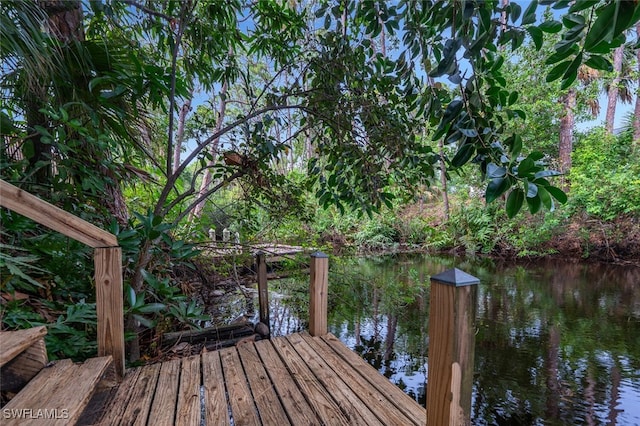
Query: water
[{"x": 556, "y": 343}]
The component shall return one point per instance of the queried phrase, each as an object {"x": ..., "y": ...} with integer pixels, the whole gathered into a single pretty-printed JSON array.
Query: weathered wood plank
[
  {"x": 409, "y": 407},
  {"x": 319, "y": 398},
  {"x": 52, "y": 217},
  {"x": 24, "y": 367},
  {"x": 243, "y": 409},
  {"x": 66, "y": 394},
  {"x": 297, "y": 408},
  {"x": 319, "y": 277},
  {"x": 215, "y": 402},
  {"x": 121, "y": 398},
  {"x": 109, "y": 305},
  {"x": 16, "y": 341},
  {"x": 163, "y": 408},
  {"x": 46, "y": 382},
  {"x": 139, "y": 405},
  {"x": 269, "y": 407},
  {"x": 379, "y": 404},
  {"x": 352, "y": 406},
  {"x": 188, "y": 408}
]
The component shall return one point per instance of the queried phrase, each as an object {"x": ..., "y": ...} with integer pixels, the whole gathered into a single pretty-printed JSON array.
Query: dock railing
[{"x": 107, "y": 260}]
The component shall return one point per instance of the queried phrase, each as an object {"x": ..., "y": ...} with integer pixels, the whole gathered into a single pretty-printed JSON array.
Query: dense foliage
[{"x": 162, "y": 120}]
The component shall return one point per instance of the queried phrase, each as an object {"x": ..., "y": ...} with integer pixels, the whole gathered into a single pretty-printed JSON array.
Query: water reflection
[{"x": 556, "y": 343}]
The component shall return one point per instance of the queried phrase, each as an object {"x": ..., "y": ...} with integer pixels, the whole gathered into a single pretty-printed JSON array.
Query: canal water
[{"x": 557, "y": 343}]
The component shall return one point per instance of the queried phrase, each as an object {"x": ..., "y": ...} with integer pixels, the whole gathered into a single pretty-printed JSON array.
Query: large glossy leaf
[
  {"x": 599, "y": 63},
  {"x": 534, "y": 204},
  {"x": 550, "y": 26},
  {"x": 529, "y": 16},
  {"x": 496, "y": 188},
  {"x": 557, "y": 193},
  {"x": 514, "y": 202}
]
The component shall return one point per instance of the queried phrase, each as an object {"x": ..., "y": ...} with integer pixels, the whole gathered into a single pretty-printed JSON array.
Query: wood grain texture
[
  {"x": 319, "y": 284},
  {"x": 378, "y": 403},
  {"x": 270, "y": 409},
  {"x": 451, "y": 354},
  {"x": 12, "y": 343},
  {"x": 109, "y": 305},
  {"x": 139, "y": 406},
  {"x": 243, "y": 409},
  {"x": 215, "y": 402},
  {"x": 296, "y": 406},
  {"x": 19, "y": 201},
  {"x": 163, "y": 408},
  {"x": 65, "y": 391},
  {"x": 24, "y": 367},
  {"x": 121, "y": 398},
  {"x": 313, "y": 390},
  {"x": 351, "y": 405},
  {"x": 403, "y": 402},
  {"x": 188, "y": 408}
]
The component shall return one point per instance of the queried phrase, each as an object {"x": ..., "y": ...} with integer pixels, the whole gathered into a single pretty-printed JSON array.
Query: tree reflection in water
[{"x": 557, "y": 343}]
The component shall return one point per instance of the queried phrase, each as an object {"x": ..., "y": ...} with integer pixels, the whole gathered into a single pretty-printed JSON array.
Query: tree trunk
[
  {"x": 612, "y": 94},
  {"x": 636, "y": 115},
  {"x": 177, "y": 150},
  {"x": 65, "y": 19},
  {"x": 213, "y": 149},
  {"x": 567, "y": 121}
]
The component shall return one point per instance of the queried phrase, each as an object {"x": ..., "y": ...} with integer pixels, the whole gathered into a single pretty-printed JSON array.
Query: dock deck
[{"x": 297, "y": 380}]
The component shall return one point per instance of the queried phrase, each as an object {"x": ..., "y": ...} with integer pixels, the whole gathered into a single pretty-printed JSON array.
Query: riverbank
[{"x": 577, "y": 238}]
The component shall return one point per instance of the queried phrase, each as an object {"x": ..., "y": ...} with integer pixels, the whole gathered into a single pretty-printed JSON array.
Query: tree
[{"x": 362, "y": 109}]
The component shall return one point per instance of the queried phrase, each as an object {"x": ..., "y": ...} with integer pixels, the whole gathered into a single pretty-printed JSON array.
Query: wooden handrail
[
  {"x": 54, "y": 217},
  {"x": 107, "y": 261}
]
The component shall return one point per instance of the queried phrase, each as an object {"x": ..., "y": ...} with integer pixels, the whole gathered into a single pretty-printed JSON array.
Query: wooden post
[
  {"x": 319, "y": 284},
  {"x": 451, "y": 348},
  {"x": 263, "y": 290},
  {"x": 109, "y": 305}
]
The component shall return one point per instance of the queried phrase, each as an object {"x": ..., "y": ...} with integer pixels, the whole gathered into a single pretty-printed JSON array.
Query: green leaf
[
  {"x": 526, "y": 167},
  {"x": 557, "y": 71},
  {"x": 550, "y": 26},
  {"x": 463, "y": 155},
  {"x": 529, "y": 16},
  {"x": 544, "y": 197},
  {"x": 151, "y": 308},
  {"x": 579, "y": 5},
  {"x": 604, "y": 27},
  {"x": 496, "y": 188},
  {"x": 599, "y": 63},
  {"x": 532, "y": 189},
  {"x": 515, "y": 11},
  {"x": 558, "y": 56},
  {"x": 572, "y": 72},
  {"x": 514, "y": 202},
  {"x": 536, "y": 36},
  {"x": 534, "y": 204},
  {"x": 516, "y": 146},
  {"x": 558, "y": 194},
  {"x": 547, "y": 173},
  {"x": 494, "y": 171}
]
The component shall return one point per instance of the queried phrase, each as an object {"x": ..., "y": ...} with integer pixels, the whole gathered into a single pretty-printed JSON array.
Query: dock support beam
[
  {"x": 263, "y": 290},
  {"x": 451, "y": 348},
  {"x": 319, "y": 284}
]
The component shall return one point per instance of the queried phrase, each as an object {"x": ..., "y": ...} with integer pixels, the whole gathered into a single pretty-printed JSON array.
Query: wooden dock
[{"x": 297, "y": 380}]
